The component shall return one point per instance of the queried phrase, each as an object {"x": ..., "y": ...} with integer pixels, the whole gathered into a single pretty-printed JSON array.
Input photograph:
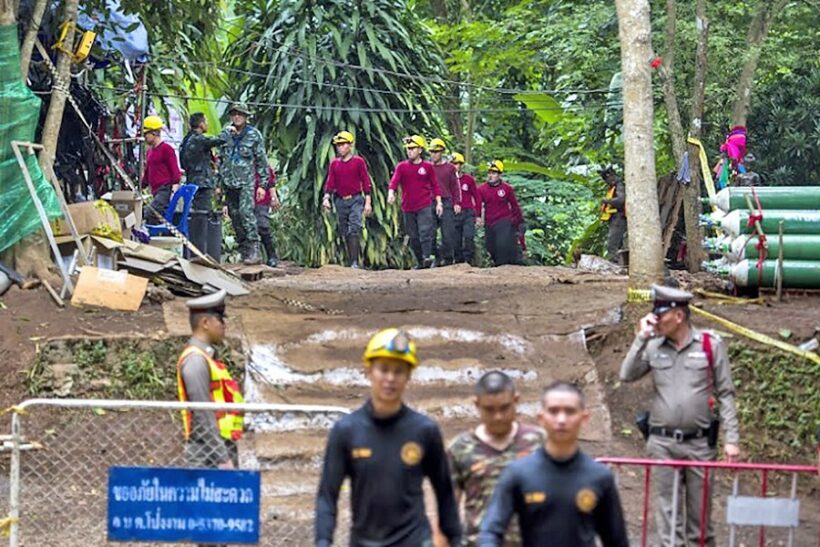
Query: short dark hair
[
  {"x": 195, "y": 317},
  {"x": 494, "y": 382},
  {"x": 196, "y": 119},
  {"x": 565, "y": 387}
]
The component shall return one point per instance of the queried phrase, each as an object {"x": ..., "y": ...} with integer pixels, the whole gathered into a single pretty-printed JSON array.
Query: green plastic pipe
[
  {"x": 797, "y": 274},
  {"x": 771, "y": 197},
  {"x": 795, "y": 247}
]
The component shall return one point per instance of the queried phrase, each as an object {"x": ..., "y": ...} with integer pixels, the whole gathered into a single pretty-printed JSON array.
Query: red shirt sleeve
[
  {"x": 515, "y": 209},
  {"x": 479, "y": 202},
  {"x": 396, "y": 179},
  {"x": 172, "y": 163},
  {"x": 330, "y": 183},
  {"x": 473, "y": 190},
  {"x": 434, "y": 180},
  {"x": 455, "y": 187},
  {"x": 367, "y": 185}
]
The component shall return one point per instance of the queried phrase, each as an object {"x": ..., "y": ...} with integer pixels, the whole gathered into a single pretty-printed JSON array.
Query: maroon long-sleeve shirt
[
  {"x": 447, "y": 178},
  {"x": 161, "y": 167},
  {"x": 348, "y": 178},
  {"x": 419, "y": 185},
  {"x": 469, "y": 192},
  {"x": 498, "y": 203}
]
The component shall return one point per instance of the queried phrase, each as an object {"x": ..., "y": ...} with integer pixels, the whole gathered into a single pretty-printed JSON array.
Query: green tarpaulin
[{"x": 19, "y": 111}]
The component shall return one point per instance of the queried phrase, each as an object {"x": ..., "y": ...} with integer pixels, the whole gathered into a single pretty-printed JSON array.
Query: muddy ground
[{"x": 304, "y": 335}]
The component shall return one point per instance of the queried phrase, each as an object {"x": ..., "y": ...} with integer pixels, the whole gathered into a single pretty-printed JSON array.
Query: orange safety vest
[
  {"x": 224, "y": 389},
  {"x": 608, "y": 210}
]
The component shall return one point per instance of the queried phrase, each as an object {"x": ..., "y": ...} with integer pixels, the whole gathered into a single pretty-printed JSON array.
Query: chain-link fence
[{"x": 59, "y": 453}]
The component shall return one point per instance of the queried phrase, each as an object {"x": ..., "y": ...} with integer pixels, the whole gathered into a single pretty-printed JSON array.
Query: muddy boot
[
  {"x": 353, "y": 251},
  {"x": 270, "y": 251},
  {"x": 254, "y": 257},
  {"x": 429, "y": 262}
]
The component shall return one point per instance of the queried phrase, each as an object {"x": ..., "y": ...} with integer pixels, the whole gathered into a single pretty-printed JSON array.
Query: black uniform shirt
[
  {"x": 386, "y": 460},
  {"x": 559, "y": 503}
]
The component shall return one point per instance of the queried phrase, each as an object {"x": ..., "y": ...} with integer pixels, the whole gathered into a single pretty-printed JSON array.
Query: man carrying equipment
[
  {"x": 465, "y": 219},
  {"x": 613, "y": 212},
  {"x": 162, "y": 172},
  {"x": 561, "y": 495},
  {"x": 498, "y": 212},
  {"x": 687, "y": 365},
  {"x": 349, "y": 182},
  {"x": 243, "y": 159},
  {"x": 387, "y": 449},
  {"x": 447, "y": 178},
  {"x": 419, "y": 187}
]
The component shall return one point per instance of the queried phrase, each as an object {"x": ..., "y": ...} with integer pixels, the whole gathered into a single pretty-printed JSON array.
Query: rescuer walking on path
[
  {"x": 265, "y": 201},
  {"x": 349, "y": 183},
  {"x": 210, "y": 438},
  {"x": 466, "y": 218},
  {"x": 419, "y": 188},
  {"x": 387, "y": 449},
  {"x": 162, "y": 172},
  {"x": 688, "y": 365},
  {"x": 447, "y": 178},
  {"x": 613, "y": 212},
  {"x": 561, "y": 495},
  {"x": 243, "y": 159},
  {"x": 499, "y": 211}
]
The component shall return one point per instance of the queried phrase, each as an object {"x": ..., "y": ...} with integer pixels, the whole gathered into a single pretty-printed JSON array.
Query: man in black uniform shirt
[
  {"x": 387, "y": 449},
  {"x": 562, "y": 496}
]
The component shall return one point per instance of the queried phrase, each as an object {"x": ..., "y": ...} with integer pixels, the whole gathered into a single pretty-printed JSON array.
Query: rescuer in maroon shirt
[
  {"x": 466, "y": 218},
  {"x": 498, "y": 212},
  {"x": 451, "y": 200}
]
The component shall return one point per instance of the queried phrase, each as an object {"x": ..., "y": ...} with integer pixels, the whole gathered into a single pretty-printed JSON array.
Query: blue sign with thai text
[{"x": 183, "y": 505}]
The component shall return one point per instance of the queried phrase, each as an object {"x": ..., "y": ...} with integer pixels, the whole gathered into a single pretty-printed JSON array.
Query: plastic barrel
[{"x": 215, "y": 236}]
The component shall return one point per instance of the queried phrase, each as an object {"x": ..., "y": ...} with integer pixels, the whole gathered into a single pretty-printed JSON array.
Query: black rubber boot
[
  {"x": 254, "y": 256},
  {"x": 353, "y": 251},
  {"x": 270, "y": 251}
]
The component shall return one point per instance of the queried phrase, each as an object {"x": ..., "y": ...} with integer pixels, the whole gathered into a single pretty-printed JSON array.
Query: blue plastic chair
[{"x": 186, "y": 193}]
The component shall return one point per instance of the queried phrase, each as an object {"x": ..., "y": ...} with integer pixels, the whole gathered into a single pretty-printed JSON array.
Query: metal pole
[
  {"x": 674, "y": 507},
  {"x": 733, "y": 528},
  {"x": 780, "y": 260},
  {"x": 645, "y": 523},
  {"x": 764, "y": 488},
  {"x": 794, "y": 496},
  {"x": 143, "y": 106},
  {"x": 14, "y": 480}
]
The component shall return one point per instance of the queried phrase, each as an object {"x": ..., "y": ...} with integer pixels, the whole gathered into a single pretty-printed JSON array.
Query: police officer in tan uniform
[{"x": 688, "y": 366}]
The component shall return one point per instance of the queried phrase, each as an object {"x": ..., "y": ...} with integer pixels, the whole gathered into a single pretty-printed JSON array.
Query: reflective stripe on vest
[{"x": 223, "y": 390}]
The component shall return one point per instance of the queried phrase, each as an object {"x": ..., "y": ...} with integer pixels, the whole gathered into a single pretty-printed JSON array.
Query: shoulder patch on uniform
[
  {"x": 361, "y": 453},
  {"x": 411, "y": 453},
  {"x": 535, "y": 497},
  {"x": 586, "y": 500}
]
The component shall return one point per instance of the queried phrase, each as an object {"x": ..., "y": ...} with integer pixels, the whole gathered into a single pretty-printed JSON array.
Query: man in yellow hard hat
[
  {"x": 500, "y": 213},
  {"x": 162, "y": 172},
  {"x": 387, "y": 449},
  {"x": 466, "y": 219},
  {"x": 349, "y": 182},
  {"x": 419, "y": 187},
  {"x": 450, "y": 198}
]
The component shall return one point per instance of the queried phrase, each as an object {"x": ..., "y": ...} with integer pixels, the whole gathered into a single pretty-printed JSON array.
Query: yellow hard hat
[
  {"x": 152, "y": 123},
  {"x": 393, "y": 344},
  {"x": 437, "y": 145},
  {"x": 457, "y": 158},
  {"x": 496, "y": 165},
  {"x": 415, "y": 141},
  {"x": 343, "y": 137}
]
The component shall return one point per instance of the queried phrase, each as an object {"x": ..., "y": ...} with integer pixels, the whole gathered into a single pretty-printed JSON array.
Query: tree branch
[{"x": 31, "y": 36}]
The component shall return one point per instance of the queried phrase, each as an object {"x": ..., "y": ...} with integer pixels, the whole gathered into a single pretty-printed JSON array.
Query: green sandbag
[{"x": 19, "y": 112}]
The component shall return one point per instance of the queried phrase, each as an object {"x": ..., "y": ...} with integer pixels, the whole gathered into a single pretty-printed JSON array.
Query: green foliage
[
  {"x": 306, "y": 49},
  {"x": 777, "y": 401}
]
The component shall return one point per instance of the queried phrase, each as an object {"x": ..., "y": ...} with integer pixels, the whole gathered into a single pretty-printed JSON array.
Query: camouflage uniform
[
  {"x": 243, "y": 158},
  {"x": 476, "y": 467},
  {"x": 195, "y": 157}
]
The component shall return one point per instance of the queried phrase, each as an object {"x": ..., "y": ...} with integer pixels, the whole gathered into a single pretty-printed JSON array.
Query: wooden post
[{"x": 143, "y": 106}]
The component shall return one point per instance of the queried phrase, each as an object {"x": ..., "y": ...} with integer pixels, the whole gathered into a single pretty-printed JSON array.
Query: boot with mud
[
  {"x": 253, "y": 257},
  {"x": 353, "y": 251},
  {"x": 270, "y": 251}
]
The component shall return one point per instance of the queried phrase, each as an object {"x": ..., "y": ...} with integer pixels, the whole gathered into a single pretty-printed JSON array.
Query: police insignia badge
[
  {"x": 501, "y": 193},
  {"x": 586, "y": 500},
  {"x": 411, "y": 453},
  {"x": 422, "y": 171}
]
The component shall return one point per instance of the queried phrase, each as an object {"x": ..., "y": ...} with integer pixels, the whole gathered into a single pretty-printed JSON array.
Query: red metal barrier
[{"x": 710, "y": 466}]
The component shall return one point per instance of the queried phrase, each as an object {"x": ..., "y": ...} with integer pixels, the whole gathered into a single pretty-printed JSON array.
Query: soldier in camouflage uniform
[
  {"x": 196, "y": 159},
  {"x": 478, "y": 457},
  {"x": 243, "y": 158}
]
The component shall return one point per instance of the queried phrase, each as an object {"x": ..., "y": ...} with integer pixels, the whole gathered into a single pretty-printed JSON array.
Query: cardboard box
[
  {"x": 106, "y": 254},
  {"x": 109, "y": 289},
  {"x": 125, "y": 203},
  {"x": 91, "y": 217}
]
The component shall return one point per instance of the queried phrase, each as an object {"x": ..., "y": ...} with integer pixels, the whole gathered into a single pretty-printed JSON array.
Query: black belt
[
  {"x": 348, "y": 198},
  {"x": 680, "y": 435}
]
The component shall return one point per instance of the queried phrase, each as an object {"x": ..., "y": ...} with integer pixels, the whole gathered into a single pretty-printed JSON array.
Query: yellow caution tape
[
  {"x": 727, "y": 299},
  {"x": 15, "y": 409},
  {"x": 637, "y": 295},
  {"x": 6, "y": 522},
  {"x": 756, "y": 336},
  {"x": 704, "y": 168}
]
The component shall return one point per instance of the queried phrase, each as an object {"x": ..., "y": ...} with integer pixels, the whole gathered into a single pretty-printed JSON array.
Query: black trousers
[
  {"x": 159, "y": 204},
  {"x": 446, "y": 223},
  {"x": 420, "y": 227},
  {"x": 502, "y": 243},
  {"x": 349, "y": 214},
  {"x": 465, "y": 236}
]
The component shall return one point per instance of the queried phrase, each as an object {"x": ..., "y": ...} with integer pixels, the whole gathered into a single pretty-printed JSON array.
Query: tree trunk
[
  {"x": 758, "y": 30},
  {"x": 645, "y": 256},
  {"x": 31, "y": 36},
  {"x": 54, "y": 118},
  {"x": 691, "y": 199},
  {"x": 451, "y": 103}
]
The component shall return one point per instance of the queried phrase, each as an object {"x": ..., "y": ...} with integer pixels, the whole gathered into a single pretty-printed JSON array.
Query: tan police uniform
[{"x": 680, "y": 415}]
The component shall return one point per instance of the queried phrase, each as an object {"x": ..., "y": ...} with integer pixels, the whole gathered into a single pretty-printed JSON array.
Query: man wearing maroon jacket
[
  {"x": 450, "y": 198},
  {"x": 498, "y": 212},
  {"x": 465, "y": 219},
  {"x": 266, "y": 200},
  {"x": 349, "y": 182},
  {"x": 419, "y": 188},
  {"x": 162, "y": 172}
]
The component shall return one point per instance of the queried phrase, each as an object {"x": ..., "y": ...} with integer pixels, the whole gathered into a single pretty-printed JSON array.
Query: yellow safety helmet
[
  {"x": 457, "y": 158},
  {"x": 393, "y": 344},
  {"x": 152, "y": 123},
  {"x": 343, "y": 137},
  {"x": 496, "y": 165},
  {"x": 415, "y": 141},
  {"x": 437, "y": 145}
]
